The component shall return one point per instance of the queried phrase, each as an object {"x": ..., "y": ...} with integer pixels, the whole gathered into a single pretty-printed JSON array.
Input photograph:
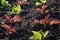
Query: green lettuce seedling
[
  {"x": 16, "y": 9},
  {"x": 44, "y": 34},
  {"x": 37, "y": 35},
  {"x": 38, "y": 3},
  {"x": 43, "y": 1},
  {"x": 5, "y": 3},
  {"x": 40, "y": 35},
  {"x": 59, "y": 8}
]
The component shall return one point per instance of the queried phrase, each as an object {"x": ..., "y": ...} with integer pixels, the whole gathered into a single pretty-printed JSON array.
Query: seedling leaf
[
  {"x": 38, "y": 3},
  {"x": 5, "y": 3},
  {"x": 41, "y": 32},
  {"x": 37, "y": 35},
  {"x": 43, "y": 1},
  {"x": 46, "y": 33},
  {"x": 31, "y": 38},
  {"x": 16, "y": 9}
]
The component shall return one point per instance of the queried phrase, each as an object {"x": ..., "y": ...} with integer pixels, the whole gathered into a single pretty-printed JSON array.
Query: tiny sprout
[
  {"x": 43, "y": 1},
  {"x": 46, "y": 11},
  {"x": 38, "y": 3},
  {"x": 5, "y": 3},
  {"x": 59, "y": 8},
  {"x": 39, "y": 35},
  {"x": 16, "y": 9}
]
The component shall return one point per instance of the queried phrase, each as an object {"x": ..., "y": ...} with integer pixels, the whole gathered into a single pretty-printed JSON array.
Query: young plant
[
  {"x": 46, "y": 21},
  {"x": 40, "y": 35},
  {"x": 16, "y": 9},
  {"x": 59, "y": 8},
  {"x": 7, "y": 17},
  {"x": 16, "y": 18},
  {"x": 43, "y": 21},
  {"x": 9, "y": 29},
  {"x": 38, "y": 3},
  {"x": 22, "y": 2},
  {"x": 55, "y": 21},
  {"x": 42, "y": 9},
  {"x": 5, "y": 3},
  {"x": 43, "y": 1}
]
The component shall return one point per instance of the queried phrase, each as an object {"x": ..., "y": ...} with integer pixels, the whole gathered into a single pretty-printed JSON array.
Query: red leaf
[
  {"x": 55, "y": 21},
  {"x": 38, "y": 9},
  {"x": 44, "y": 6},
  {"x": 22, "y": 2},
  {"x": 44, "y": 22},
  {"x": 19, "y": 1},
  {"x": 17, "y": 18},
  {"x": 46, "y": 18},
  {"x": 35, "y": 21},
  {"x": 7, "y": 27},
  {"x": 7, "y": 17},
  {"x": 41, "y": 10}
]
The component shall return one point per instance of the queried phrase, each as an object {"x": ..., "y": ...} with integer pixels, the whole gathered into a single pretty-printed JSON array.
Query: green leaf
[
  {"x": 38, "y": 3},
  {"x": 46, "y": 11},
  {"x": 46, "y": 33},
  {"x": 10, "y": 13},
  {"x": 43, "y": 1},
  {"x": 31, "y": 38},
  {"x": 37, "y": 35},
  {"x": 41, "y": 32},
  {"x": 59, "y": 8},
  {"x": 5, "y": 3},
  {"x": 16, "y": 9}
]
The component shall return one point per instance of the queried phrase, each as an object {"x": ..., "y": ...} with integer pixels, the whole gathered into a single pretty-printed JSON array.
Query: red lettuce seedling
[
  {"x": 55, "y": 21},
  {"x": 22, "y": 2},
  {"x": 9, "y": 29},
  {"x": 46, "y": 21},
  {"x": 7, "y": 17},
  {"x": 35, "y": 21},
  {"x": 42, "y": 9},
  {"x": 46, "y": 18},
  {"x": 43, "y": 21},
  {"x": 17, "y": 18},
  {"x": 49, "y": 22}
]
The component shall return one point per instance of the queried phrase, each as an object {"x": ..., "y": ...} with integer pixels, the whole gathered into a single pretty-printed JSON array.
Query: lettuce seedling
[
  {"x": 17, "y": 18},
  {"x": 38, "y": 3},
  {"x": 7, "y": 17},
  {"x": 59, "y": 8},
  {"x": 5, "y": 3},
  {"x": 36, "y": 36},
  {"x": 42, "y": 9},
  {"x": 40, "y": 35},
  {"x": 43, "y": 1},
  {"x": 9, "y": 29},
  {"x": 16, "y": 9}
]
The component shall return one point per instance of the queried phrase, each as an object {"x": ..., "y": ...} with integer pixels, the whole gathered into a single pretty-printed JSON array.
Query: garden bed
[{"x": 36, "y": 17}]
